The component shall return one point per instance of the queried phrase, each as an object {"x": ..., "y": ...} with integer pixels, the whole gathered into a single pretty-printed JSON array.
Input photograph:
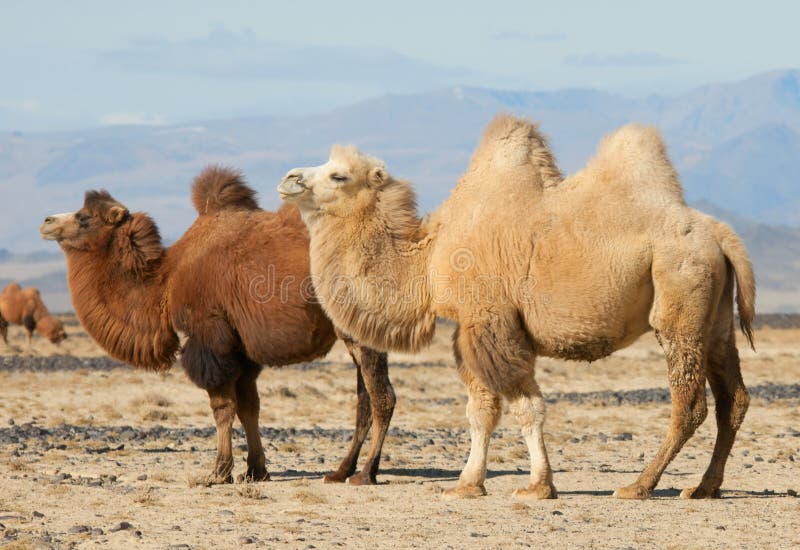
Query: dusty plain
[{"x": 95, "y": 454}]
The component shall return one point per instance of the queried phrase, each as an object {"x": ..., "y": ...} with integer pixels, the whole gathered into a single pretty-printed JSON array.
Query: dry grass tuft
[
  {"x": 197, "y": 479},
  {"x": 145, "y": 496},
  {"x": 250, "y": 490},
  {"x": 160, "y": 475}
]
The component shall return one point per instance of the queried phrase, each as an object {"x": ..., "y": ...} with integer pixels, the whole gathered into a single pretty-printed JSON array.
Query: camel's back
[{"x": 251, "y": 267}]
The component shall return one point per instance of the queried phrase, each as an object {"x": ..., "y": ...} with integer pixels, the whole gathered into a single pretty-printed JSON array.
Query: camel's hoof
[
  {"x": 700, "y": 492},
  {"x": 361, "y": 479},
  {"x": 538, "y": 491},
  {"x": 464, "y": 491},
  {"x": 253, "y": 475},
  {"x": 632, "y": 492},
  {"x": 335, "y": 477}
]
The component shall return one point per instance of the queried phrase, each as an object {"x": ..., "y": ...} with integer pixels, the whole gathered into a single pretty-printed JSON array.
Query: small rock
[
  {"x": 138, "y": 533},
  {"x": 225, "y": 513},
  {"x": 80, "y": 529},
  {"x": 557, "y": 513},
  {"x": 477, "y": 535},
  {"x": 97, "y": 532},
  {"x": 748, "y": 465},
  {"x": 246, "y": 540},
  {"x": 37, "y": 514},
  {"x": 759, "y": 459},
  {"x": 11, "y": 422},
  {"x": 178, "y": 546},
  {"x": 721, "y": 527},
  {"x": 142, "y": 477},
  {"x": 624, "y": 436},
  {"x": 791, "y": 492},
  {"x": 745, "y": 452},
  {"x": 121, "y": 526}
]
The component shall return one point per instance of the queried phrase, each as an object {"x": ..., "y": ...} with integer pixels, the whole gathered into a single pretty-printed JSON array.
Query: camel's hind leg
[
  {"x": 680, "y": 317},
  {"x": 223, "y": 405},
  {"x": 528, "y": 408},
  {"x": 247, "y": 409},
  {"x": 730, "y": 396}
]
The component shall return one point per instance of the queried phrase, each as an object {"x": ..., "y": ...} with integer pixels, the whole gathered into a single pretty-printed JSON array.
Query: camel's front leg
[
  {"x": 247, "y": 409},
  {"x": 483, "y": 412},
  {"x": 223, "y": 406},
  {"x": 528, "y": 408},
  {"x": 30, "y": 325},
  {"x": 363, "y": 417},
  {"x": 375, "y": 369}
]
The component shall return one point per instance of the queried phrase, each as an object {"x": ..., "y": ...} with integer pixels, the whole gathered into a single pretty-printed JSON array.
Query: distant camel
[
  {"x": 529, "y": 263},
  {"x": 20, "y": 306},
  {"x": 236, "y": 284}
]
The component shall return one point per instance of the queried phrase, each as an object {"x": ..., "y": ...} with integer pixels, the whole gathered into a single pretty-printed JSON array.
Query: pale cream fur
[{"x": 529, "y": 263}]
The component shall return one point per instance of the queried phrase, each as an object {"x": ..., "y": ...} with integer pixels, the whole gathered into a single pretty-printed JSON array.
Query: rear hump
[{"x": 219, "y": 188}]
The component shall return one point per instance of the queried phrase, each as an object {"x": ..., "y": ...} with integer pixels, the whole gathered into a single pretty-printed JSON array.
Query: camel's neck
[
  {"x": 124, "y": 312},
  {"x": 371, "y": 278}
]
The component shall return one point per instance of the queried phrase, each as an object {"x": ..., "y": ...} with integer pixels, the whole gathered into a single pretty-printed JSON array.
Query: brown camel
[
  {"x": 530, "y": 263},
  {"x": 236, "y": 285},
  {"x": 25, "y": 307}
]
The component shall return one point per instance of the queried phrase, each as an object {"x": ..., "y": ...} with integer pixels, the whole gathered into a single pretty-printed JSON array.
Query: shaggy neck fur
[
  {"x": 370, "y": 271},
  {"x": 119, "y": 295}
]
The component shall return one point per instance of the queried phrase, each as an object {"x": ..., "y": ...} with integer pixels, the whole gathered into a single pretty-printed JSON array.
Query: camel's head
[
  {"x": 52, "y": 328},
  {"x": 106, "y": 227},
  {"x": 348, "y": 183},
  {"x": 91, "y": 227}
]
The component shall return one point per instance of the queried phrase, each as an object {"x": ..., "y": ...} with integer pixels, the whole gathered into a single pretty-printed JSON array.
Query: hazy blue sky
[{"x": 87, "y": 63}]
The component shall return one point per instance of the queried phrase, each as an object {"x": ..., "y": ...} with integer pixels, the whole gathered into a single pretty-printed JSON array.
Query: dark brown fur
[{"x": 236, "y": 284}]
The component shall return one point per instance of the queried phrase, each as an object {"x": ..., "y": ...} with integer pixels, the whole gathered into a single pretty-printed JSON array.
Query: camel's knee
[
  {"x": 529, "y": 412},
  {"x": 483, "y": 408}
]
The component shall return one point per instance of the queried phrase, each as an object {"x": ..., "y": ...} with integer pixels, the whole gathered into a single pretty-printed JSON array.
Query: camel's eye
[
  {"x": 339, "y": 178},
  {"x": 83, "y": 219}
]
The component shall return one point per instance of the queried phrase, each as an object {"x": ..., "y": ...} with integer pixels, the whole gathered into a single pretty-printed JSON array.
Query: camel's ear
[
  {"x": 377, "y": 177},
  {"x": 116, "y": 214}
]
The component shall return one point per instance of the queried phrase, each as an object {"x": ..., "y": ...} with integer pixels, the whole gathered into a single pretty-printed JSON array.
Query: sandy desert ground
[{"x": 96, "y": 454}]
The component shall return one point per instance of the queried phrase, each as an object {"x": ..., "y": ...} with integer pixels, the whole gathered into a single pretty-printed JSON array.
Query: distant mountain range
[{"x": 736, "y": 146}]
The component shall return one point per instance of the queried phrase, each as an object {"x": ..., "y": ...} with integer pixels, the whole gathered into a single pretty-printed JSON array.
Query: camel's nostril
[{"x": 49, "y": 219}]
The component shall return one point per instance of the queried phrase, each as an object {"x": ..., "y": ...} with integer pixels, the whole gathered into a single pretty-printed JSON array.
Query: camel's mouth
[
  {"x": 49, "y": 233},
  {"x": 292, "y": 186},
  {"x": 52, "y": 227}
]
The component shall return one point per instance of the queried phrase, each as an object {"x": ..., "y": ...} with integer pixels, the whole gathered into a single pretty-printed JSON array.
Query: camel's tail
[
  {"x": 219, "y": 188},
  {"x": 737, "y": 255}
]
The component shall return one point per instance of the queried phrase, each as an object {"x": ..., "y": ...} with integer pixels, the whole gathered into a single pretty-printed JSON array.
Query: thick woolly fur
[
  {"x": 24, "y": 306},
  {"x": 530, "y": 263},
  {"x": 236, "y": 283}
]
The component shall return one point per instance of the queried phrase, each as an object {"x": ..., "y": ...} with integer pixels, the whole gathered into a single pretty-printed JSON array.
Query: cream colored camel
[{"x": 529, "y": 263}]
